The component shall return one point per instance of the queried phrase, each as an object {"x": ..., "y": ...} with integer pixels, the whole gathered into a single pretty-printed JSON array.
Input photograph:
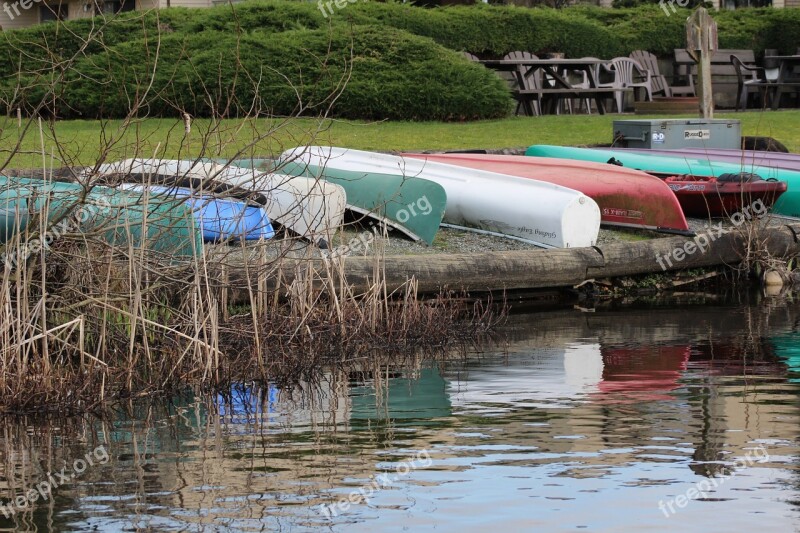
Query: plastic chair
[
  {"x": 660, "y": 85},
  {"x": 757, "y": 79},
  {"x": 625, "y": 72}
]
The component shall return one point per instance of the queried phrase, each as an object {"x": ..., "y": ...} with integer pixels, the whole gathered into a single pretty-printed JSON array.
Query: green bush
[
  {"x": 646, "y": 27},
  {"x": 39, "y": 47},
  {"x": 270, "y": 16},
  {"x": 198, "y": 72},
  {"x": 497, "y": 30},
  {"x": 391, "y": 75}
]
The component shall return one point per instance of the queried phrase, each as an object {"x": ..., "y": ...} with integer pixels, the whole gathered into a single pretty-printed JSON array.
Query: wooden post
[{"x": 701, "y": 41}]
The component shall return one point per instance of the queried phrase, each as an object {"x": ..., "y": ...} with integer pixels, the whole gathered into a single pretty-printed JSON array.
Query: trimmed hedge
[
  {"x": 481, "y": 29},
  {"x": 493, "y": 31},
  {"x": 401, "y": 66},
  {"x": 648, "y": 28},
  {"x": 394, "y": 75},
  {"x": 40, "y": 46}
]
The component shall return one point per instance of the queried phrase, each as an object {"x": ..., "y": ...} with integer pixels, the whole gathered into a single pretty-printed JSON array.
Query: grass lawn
[{"x": 81, "y": 142}]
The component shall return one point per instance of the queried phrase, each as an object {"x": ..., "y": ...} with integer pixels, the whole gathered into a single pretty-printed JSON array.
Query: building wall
[
  {"x": 26, "y": 17},
  {"x": 78, "y": 11},
  {"x": 9, "y": 20},
  {"x": 189, "y": 3}
]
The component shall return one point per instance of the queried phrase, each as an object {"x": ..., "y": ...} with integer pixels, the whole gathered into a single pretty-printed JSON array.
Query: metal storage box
[{"x": 670, "y": 134}]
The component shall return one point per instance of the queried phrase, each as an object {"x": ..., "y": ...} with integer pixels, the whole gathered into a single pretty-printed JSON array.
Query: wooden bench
[
  {"x": 723, "y": 74},
  {"x": 564, "y": 93}
]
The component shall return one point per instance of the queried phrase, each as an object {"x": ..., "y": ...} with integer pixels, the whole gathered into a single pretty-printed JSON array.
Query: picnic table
[
  {"x": 560, "y": 88},
  {"x": 787, "y": 80}
]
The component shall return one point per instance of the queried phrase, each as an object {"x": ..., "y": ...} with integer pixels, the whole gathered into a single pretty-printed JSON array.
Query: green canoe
[
  {"x": 788, "y": 204},
  {"x": 165, "y": 225},
  {"x": 413, "y": 206},
  {"x": 787, "y": 348}
]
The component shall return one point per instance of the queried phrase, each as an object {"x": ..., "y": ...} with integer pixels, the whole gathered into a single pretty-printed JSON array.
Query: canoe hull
[
  {"x": 120, "y": 217},
  {"x": 541, "y": 213},
  {"x": 626, "y": 198},
  {"x": 665, "y": 166},
  {"x": 744, "y": 158},
  {"x": 388, "y": 198},
  {"x": 381, "y": 197},
  {"x": 219, "y": 219},
  {"x": 309, "y": 208},
  {"x": 704, "y": 198}
]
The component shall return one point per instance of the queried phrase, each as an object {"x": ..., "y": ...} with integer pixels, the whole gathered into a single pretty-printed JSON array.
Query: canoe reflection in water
[{"x": 643, "y": 373}]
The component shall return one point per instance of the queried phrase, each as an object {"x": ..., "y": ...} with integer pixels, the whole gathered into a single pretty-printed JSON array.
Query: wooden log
[{"x": 531, "y": 269}]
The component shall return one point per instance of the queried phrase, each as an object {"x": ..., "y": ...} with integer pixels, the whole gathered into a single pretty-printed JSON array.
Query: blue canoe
[{"x": 219, "y": 219}]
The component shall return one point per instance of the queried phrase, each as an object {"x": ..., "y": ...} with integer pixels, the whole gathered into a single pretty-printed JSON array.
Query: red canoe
[
  {"x": 626, "y": 197},
  {"x": 705, "y": 196}
]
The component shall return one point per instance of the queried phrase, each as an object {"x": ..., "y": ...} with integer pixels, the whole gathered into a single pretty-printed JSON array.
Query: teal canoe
[
  {"x": 413, "y": 206},
  {"x": 165, "y": 225},
  {"x": 788, "y": 203},
  {"x": 787, "y": 348}
]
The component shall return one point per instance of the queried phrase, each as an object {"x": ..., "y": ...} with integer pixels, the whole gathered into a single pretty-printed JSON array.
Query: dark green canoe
[
  {"x": 164, "y": 225},
  {"x": 413, "y": 206}
]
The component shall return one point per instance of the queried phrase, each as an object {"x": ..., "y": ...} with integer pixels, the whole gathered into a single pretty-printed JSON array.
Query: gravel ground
[
  {"x": 448, "y": 241},
  {"x": 453, "y": 241}
]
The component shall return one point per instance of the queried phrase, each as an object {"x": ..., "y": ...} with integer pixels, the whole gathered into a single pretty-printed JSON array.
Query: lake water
[{"x": 681, "y": 416}]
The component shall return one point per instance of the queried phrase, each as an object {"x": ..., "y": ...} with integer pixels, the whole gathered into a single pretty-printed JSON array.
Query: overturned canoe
[
  {"x": 533, "y": 211},
  {"x": 411, "y": 205},
  {"x": 310, "y": 208},
  {"x": 120, "y": 218},
  {"x": 665, "y": 166},
  {"x": 745, "y": 158},
  {"x": 219, "y": 219},
  {"x": 387, "y": 198},
  {"x": 626, "y": 197}
]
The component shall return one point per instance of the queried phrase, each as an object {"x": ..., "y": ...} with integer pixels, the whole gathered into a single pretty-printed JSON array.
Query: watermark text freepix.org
[
  {"x": 702, "y": 241},
  {"x": 700, "y": 488},
  {"x": 44, "y": 489},
  {"x": 326, "y": 7},
  {"x": 422, "y": 459},
  {"x": 671, "y": 3},
  {"x": 422, "y": 206},
  {"x": 66, "y": 225},
  {"x": 24, "y": 4}
]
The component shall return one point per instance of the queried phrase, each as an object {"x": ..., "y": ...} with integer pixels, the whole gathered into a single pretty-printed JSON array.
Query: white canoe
[
  {"x": 541, "y": 213},
  {"x": 311, "y": 208}
]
